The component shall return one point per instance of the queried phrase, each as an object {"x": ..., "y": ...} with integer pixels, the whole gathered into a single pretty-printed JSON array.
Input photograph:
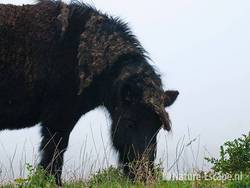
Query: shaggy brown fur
[{"x": 58, "y": 62}]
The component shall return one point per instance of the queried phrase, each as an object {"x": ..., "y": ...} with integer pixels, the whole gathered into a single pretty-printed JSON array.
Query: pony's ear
[{"x": 169, "y": 97}]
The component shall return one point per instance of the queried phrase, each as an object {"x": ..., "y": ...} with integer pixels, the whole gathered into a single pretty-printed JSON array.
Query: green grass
[{"x": 113, "y": 178}]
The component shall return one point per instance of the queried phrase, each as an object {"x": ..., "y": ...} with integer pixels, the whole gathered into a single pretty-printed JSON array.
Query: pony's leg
[
  {"x": 53, "y": 146},
  {"x": 56, "y": 128},
  {"x": 123, "y": 152}
]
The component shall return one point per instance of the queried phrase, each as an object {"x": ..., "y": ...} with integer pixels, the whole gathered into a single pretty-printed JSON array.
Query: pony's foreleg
[
  {"x": 53, "y": 146},
  {"x": 56, "y": 128}
]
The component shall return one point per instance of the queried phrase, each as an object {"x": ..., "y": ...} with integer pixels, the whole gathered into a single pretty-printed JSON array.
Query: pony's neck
[
  {"x": 104, "y": 89},
  {"x": 102, "y": 43},
  {"x": 134, "y": 71}
]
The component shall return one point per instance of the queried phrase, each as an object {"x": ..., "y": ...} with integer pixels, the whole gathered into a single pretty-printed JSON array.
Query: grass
[{"x": 113, "y": 178}]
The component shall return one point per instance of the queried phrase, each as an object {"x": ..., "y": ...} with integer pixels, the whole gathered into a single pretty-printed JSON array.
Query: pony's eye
[{"x": 130, "y": 123}]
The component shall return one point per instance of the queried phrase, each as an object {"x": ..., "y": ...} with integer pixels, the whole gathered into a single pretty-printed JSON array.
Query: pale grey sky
[{"x": 202, "y": 48}]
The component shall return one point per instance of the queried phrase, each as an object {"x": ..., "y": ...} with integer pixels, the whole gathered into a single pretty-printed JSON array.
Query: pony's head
[{"x": 138, "y": 115}]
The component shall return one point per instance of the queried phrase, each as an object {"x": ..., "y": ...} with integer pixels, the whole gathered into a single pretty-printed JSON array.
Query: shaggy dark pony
[{"x": 58, "y": 62}]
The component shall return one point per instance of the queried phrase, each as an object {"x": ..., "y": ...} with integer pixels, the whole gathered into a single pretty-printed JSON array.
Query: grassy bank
[
  {"x": 112, "y": 177},
  {"x": 230, "y": 170}
]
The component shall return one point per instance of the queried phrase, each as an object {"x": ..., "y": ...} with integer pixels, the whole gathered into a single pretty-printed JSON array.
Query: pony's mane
[
  {"x": 80, "y": 13},
  {"x": 113, "y": 24}
]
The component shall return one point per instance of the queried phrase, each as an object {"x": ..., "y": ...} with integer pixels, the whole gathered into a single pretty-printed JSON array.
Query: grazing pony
[{"x": 59, "y": 61}]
